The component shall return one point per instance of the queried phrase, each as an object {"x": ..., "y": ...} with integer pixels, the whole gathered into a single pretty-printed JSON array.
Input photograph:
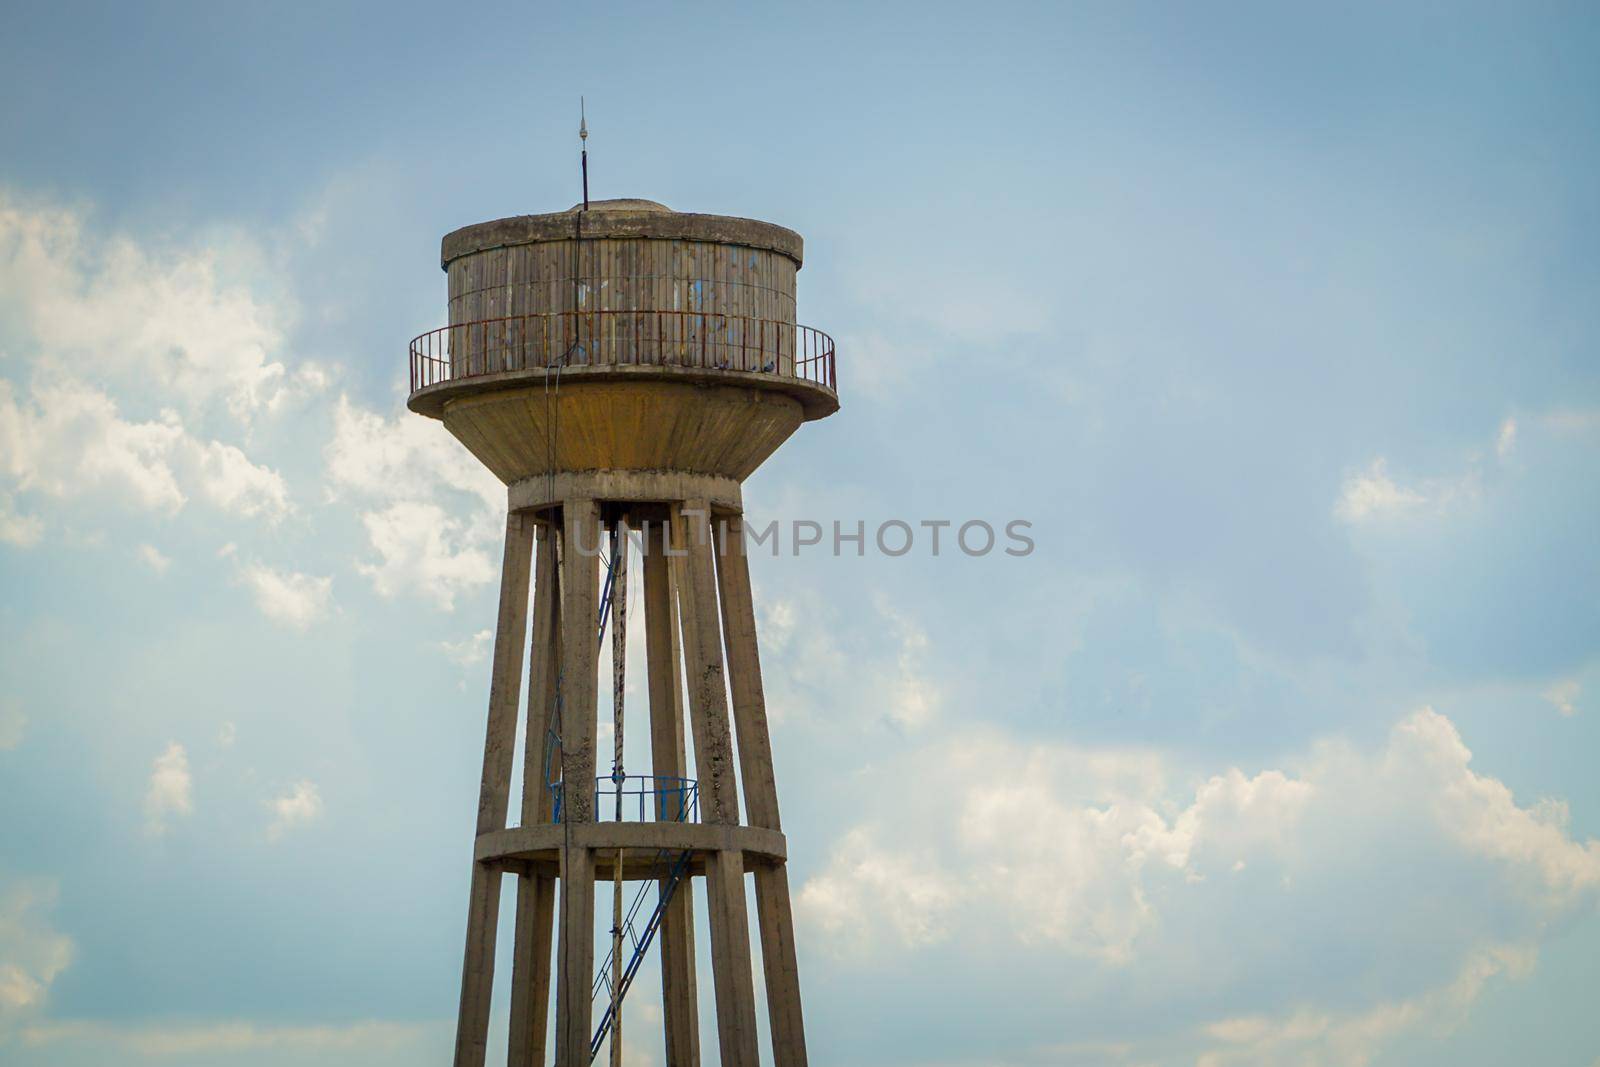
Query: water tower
[{"x": 623, "y": 368}]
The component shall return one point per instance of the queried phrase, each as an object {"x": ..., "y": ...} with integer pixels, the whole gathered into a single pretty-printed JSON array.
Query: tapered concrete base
[{"x": 695, "y": 576}]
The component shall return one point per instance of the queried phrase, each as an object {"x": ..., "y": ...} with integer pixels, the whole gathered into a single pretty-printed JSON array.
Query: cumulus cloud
[
  {"x": 1093, "y": 853},
  {"x": 16, "y": 529},
  {"x": 32, "y": 952},
  {"x": 184, "y": 320},
  {"x": 914, "y": 698},
  {"x": 470, "y": 650},
  {"x": 171, "y": 790},
  {"x": 67, "y": 439},
  {"x": 128, "y": 348},
  {"x": 1563, "y": 696},
  {"x": 300, "y": 805},
  {"x": 1317, "y": 1037},
  {"x": 294, "y": 599},
  {"x": 433, "y": 514},
  {"x": 423, "y": 550},
  {"x": 1507, "y": 438},
  {"x": 1373, "y": 494},
  {"x": 871, "y": 890},
  {"x": 154, "y": 558},
  {"x": 888, "y": 680}
]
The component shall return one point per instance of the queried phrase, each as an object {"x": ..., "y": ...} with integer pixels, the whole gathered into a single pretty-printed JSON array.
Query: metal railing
[
  {"x": 693, "y": 339},
  {"x": 639, "y": 798}
]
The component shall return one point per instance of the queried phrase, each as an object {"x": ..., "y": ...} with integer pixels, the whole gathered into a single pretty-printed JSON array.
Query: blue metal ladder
[{"x": 640, "y": 941}]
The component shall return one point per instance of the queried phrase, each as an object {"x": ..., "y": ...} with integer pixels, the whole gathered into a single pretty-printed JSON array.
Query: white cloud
[
  {"x": 300, "y": 805},
  {"x": 152, "y": 557},
  {"x": 294, "y": 599},
  {"x": 68, "y": 439},
  {"x": 1316, "y": 1037},
  {"x": 227, "y": 733},
  {"x": 128, "y": 349},
  {"x": 1507, "y": 439},
  {"x": 22, "y": 531},
  {"x": 32, "y": 953},
  {"x": 1038, "y": 851},
  {"x": 870, "y": 889},
  {"x": 184, "y": 321},
  {"x": 405, "y": 458},
  {"x": 423, "y": 550},
  {"x": 914, "y": 699},
  {"x": 231, "y": 482},
  {"x": 890, "y": 680},
  {"x": 1563, "y": 696},
  {"x": 1373, "y": 494},
  {"x": 471, "y": 650},
  {"x": 171, "y": 790},
  {"x": 1480, "y": 813},
  {"x": 13, "y": 724},
  {"x": 438, "y": 514}
]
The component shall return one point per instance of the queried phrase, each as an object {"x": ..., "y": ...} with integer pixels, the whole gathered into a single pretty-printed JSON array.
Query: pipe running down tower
[{"x": 623, "y": 368}]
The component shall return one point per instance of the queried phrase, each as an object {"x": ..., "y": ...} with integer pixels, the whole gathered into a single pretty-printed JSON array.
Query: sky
[{"x": 1280, "y": 325}]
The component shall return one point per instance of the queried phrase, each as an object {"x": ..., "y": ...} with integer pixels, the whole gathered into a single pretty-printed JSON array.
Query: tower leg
[
  {"x": 729, "y": 918},
  {"x": 580, "y": 651},
  {"x": 780, "y": 967},
  {"x": 477, "y": 973},
  {"x": 713, "y": 743},
  {"x": 680, "y": 1006},
  {"x": 536, "y": 891}
]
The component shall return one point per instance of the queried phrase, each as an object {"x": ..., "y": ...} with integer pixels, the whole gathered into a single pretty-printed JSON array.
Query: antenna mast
[{"x": 583, "y": 150}]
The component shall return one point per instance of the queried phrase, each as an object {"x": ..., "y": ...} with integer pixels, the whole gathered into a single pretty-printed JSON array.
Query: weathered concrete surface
[
  {"x": 483, "y": 910},
  {"x": 744, "y": 671},
  {"x": 542, "y": 842},
  {"x": 664, "y": 663},
  {"x": 580, "y": 602},
  {"x": 650, "y": 486},
  {"x": 780, "y": 967},
  {"x": 619, "y": 224},
  {"x": 776, "y": 920},
  {"x": 731, "y": 972},
  {"x": 702, "y": 643},
  {"x": 536, "y": 891},
  {"x": 642, "y": 420}
]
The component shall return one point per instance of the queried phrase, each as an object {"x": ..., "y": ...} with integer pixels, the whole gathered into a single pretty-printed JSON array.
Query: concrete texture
[
  {"x": 666, "y": 448},
  {"x": 649, "y": 222}
]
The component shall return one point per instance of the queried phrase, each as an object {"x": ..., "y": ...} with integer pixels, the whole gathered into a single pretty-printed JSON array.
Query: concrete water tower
[{"x": 624, "y": 367}]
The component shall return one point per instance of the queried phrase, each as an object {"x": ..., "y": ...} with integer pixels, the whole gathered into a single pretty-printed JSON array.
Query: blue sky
[{"x": 1279, "y": 326}]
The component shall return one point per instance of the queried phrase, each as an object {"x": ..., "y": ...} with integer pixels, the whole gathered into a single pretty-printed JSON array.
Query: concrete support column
[
  {"x": 580, "y": 604},
  {"x": 702, "y": 640},
  {"x": 713, "y": 742},
  {"x": 536, "y": 893},
  {"x": 663, "y": 655},
  {"x": 779, "y": 964},
  {"x": 483, "y": 910},
  {"x": 729, "y": 918}
]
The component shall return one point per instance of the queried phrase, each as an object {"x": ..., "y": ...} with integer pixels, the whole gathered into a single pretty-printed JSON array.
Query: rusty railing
[{"x": 692, "y": 339}]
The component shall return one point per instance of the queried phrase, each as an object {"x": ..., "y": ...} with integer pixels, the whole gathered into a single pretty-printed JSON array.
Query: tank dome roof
[{"x": 644, "y": 207}]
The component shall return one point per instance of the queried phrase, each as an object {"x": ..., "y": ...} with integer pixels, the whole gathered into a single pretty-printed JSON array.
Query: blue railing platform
[{"x": 638, "y": 798}]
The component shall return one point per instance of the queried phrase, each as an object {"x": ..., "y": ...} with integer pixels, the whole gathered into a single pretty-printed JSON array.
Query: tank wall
[{"x": 623, "y": 274}]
